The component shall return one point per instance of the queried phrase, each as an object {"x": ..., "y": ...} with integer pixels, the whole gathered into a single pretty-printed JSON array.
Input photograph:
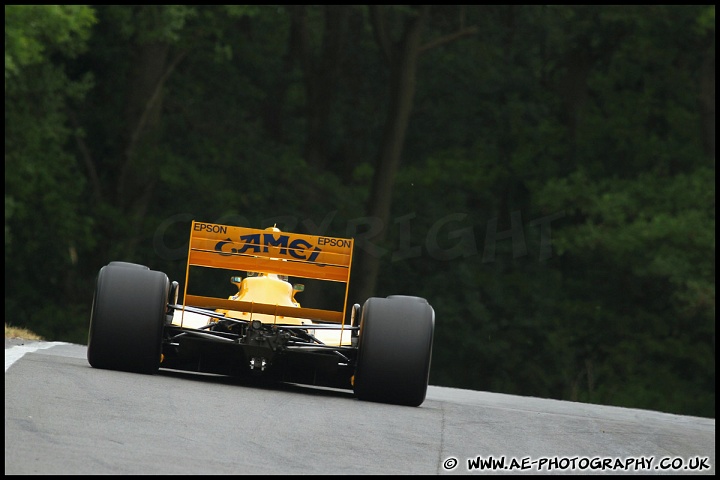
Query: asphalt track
[{"x": 63, "y": 417}]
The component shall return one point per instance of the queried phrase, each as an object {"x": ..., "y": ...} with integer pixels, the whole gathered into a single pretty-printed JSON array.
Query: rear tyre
[
  {"x": 394, "y": 350},
  {"x": 128, "y": 264},
  {"x": 127, "y": 318},
  {"x": 409, "y": 297}
]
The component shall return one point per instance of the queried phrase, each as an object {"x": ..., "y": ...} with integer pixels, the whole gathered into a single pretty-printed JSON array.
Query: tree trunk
[
  {"x": 403, "y": 68},
  {"x": 137, "y": 180},
  {"x": 321, "y": 82},
  {"x": 707, "y": 100}
]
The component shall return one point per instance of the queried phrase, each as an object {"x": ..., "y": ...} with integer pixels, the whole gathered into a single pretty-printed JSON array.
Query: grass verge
[{"x": 16, "y": 332}]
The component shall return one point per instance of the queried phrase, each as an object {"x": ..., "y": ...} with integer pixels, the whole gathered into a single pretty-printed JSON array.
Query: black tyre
[
  {"x": 127, "y": 318},
  {"x": 128, "y": 264},
  {"x": 394, "y": 350},
  {"x": 421, "y": 299}
]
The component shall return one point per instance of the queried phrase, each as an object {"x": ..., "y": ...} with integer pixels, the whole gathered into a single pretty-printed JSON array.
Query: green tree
[
  {"x": 399, "y": 34},
  {"x": 45, "y": 228}
]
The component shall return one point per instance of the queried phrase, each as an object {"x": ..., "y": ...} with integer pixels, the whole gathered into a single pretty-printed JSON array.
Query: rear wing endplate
[{"x": 282, "y": 253}]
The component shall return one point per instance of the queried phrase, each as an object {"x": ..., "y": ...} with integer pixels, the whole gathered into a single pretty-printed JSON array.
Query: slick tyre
[
  {"x": 394, "y": 350},
  {"x": 128, "y": 264},
  {"x": 408, "y": 297},
  {"x": 127, "y": 317}
]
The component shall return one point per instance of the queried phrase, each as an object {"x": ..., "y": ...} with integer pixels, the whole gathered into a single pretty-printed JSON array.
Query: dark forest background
[{"x": 543, "y": 175}]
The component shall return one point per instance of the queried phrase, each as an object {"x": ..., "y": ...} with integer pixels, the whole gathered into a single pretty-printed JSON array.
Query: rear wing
[{"x": 282, "y": 253}]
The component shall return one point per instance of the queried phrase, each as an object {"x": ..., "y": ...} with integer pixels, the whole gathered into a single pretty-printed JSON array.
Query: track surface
[{"x": 64, "y": 417}]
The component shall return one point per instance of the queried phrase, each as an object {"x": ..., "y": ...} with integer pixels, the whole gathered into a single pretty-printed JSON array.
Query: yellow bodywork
[
  {"x": 268, "y": 257},
  {"x": 266, "y": 289}
]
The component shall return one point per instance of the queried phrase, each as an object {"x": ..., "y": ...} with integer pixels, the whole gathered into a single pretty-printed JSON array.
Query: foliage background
[{"x": 544, "y": 175}]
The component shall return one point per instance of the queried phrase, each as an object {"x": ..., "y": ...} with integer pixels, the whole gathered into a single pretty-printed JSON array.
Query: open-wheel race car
[{"x": 381, "y": 351}]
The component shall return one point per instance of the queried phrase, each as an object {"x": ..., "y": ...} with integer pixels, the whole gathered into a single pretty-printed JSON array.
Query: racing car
[{"x": 380, "y": 351}]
